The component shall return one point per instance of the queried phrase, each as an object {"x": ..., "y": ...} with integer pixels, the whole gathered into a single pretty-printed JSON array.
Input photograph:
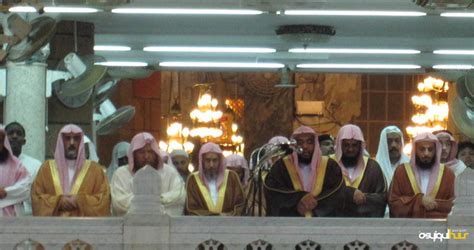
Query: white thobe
[{"x": 32, "y": 165}]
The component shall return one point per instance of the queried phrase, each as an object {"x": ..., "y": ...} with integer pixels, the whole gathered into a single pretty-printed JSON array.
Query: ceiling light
[
  {"x": 352, "y": 13},
  {"x": 356, "y": 66},
  {"x": 186, "y": 11},
  {"x": 209, "y": 49},
  {"x": 70, "y": 10},
  {"x": 457, "y": 14},
  {"x": 452, "y": 66},
  {"x": 354, "y": 51},
  {"x": 454, "y": 52},
  {"x": 222, "y": 65},
  {"x": 22, "y": 9},
  {"x": 122, "y": 64},
  {"x": 111, "y": 48}
]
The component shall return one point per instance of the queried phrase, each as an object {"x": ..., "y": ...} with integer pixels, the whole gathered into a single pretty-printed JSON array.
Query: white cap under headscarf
[
  {"x": 179, "y": 152},
  {"x": 120, "y": 150},
  {"x": 383, "y": 157},
  {"x": 92, "y": 151}
]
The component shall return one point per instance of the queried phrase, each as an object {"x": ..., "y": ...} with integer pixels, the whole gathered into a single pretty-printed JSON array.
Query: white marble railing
[{"x": 144, "y": 230}]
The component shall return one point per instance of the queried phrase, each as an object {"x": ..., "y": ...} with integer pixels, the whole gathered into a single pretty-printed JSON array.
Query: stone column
[
  {"x": 25, "y": 103},
  {"x": 145, "y": 225}
]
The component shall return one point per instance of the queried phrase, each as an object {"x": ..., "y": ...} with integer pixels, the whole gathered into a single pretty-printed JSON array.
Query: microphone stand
[{"x": 256, "y": 180}]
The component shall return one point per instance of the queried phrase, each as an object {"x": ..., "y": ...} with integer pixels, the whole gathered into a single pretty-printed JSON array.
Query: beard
[
  {"x": 138, "y": 165},
  {"x": 425, "y": 164},
  {"x": 304, "y": 160},
  {"x": 3, "y": 155},
  {"x": 71, "y": 153},
  {"x": 350, "y": 161}
]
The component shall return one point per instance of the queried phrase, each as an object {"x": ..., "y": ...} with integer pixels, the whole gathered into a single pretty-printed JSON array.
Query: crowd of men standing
[{"x": 324, "y": 178}]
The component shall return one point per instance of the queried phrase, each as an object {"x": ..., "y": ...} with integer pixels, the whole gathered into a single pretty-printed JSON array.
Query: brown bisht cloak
[
  {"x": 230, "y": 196},
  {"x": 372, "y": 183},
  {"x": 283, "y": 194},
  {"x": 90, "y": 187},
  {"x": 405, "y": 197}
]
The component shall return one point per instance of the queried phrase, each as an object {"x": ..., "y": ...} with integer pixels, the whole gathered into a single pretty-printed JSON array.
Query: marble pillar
[{"x": 25, "y": 103}]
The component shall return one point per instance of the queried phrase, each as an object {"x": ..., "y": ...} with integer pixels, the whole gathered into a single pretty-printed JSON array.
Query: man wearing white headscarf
[
  {"x": 91, "y": 152},
  {"x": 366, "y": 188},
  {"x": 390, "y": 153},
  {"x": 70, "y": 185},
  {"x": 213, "y": 190},
  {"x": 180, "y": 160},
  {"x": 144, "y": 151},
  {"x": 119, "y": 158},
  {"x": 15, "y": 180},
  {"x": 305, "y": 183},
  {"x": 449, "y": 150},
  {"x": 423, "y": 188}
]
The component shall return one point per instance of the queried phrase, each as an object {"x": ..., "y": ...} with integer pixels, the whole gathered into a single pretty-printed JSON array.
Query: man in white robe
[
  {"x": 390, "y": 153},
  {"x": 16, "y": 136},
  {"x": 15, "y": 181},
  {"x": 144, "y": 151}
]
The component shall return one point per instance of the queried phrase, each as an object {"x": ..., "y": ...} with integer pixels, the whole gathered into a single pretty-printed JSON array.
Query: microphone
[{"x": 286, "y": 147}]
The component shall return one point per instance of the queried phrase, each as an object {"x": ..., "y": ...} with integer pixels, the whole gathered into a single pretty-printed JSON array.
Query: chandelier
[
  {"x": 431, "y": 107},
  {"x": 213, "y": 125},
  {"x": 206, "y": 117},
  {"x": 231, "y": 141},
  {"x": 177, "y": 134}
]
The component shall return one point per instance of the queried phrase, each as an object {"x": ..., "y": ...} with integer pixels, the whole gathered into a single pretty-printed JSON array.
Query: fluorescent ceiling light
[
  {"x": 356, "y": 66},
  {"x": 222, "y": 65},
  {"x": 208, "y": 49},
  {"x": 352, "y": 13},
  {"x": 457, "y": 14},
  {"x": 122, "y": 64},
  {"x": 186, "y": 11},
  {"x": 111, "y": 48},
  {"x": 22, "y": 9},
  {"x": 69, "y": 10},
  {"x": 454, "y": 52},
  {"x": 452, "y": 66},
  {"x": 354, "y": 51}
]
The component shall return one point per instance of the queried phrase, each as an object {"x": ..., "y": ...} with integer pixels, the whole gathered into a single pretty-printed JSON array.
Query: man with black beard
[
  {"x": 305, "y": 183},
  {"x": 17, "y": 138},
  {"x": 366, "y": 189},
  {"x": 423, "y": 188},
  {"x": 69, "y": 185}
]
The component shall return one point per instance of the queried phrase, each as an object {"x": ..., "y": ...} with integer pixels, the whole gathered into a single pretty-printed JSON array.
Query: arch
[
  {"x": 356, "y": 245},
  {"x": 77, "y": 245},
  {"x": 308, "y": 245},
  {"x": 211, "y": 244},
  {"x": 29, "y": 244},
  {"x": 405, "y": 245},
  {"x": 259, "y": 245}
]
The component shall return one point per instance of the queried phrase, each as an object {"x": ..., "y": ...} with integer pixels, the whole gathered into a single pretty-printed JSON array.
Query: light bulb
[{"x": 234, "y": 127}]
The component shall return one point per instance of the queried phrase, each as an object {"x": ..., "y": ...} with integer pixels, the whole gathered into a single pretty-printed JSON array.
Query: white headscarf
[
  {"x": 120, "y": 150},
  {"x": 92, "y": 151},
  {"x": 383, "y": 157}
]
